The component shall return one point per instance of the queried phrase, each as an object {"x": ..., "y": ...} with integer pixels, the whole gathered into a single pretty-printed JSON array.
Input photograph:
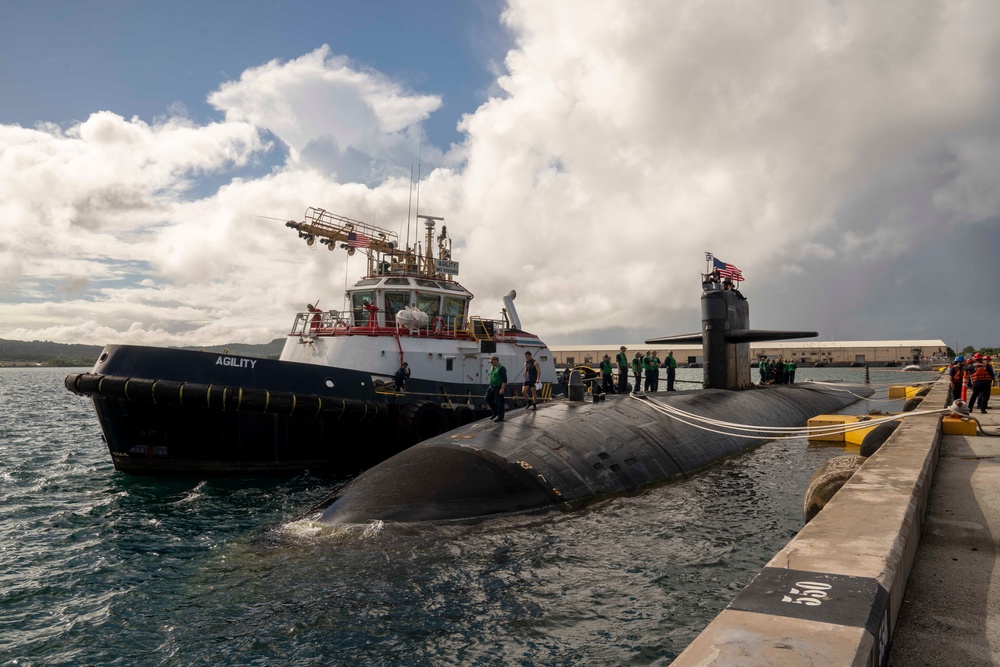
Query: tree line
[{"x": 48, "y": 353}]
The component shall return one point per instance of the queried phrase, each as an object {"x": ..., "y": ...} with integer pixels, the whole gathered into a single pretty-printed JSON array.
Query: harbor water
[{"x": 102, "y": 568}]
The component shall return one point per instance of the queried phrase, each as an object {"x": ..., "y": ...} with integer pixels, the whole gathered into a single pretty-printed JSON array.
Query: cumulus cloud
[
  {"x": 360, "y": 125},
  {"x": 828, "y": 149},
  {"x": 634, "y": 136}
]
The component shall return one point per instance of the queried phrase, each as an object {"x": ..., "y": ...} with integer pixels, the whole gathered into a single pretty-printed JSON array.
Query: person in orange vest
[
  {"x": 314, "y": 322},
  {"x": 956, "y": 375},
  {"x": 980, "y": 380},
  {"x": 372, "y": 312}
]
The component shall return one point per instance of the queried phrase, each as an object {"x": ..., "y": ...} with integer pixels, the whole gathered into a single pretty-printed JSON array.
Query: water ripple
[{"x": 97, "y": 567}]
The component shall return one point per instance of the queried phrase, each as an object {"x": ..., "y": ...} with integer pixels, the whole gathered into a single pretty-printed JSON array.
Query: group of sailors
[
  {"x": 645, "y": 369},
  {"x": 776, "y": 371},
  {"x": 975, "y": 375}
]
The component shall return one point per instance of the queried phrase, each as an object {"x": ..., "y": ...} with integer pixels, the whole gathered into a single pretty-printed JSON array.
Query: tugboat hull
[{"x": 168, "y": 410}]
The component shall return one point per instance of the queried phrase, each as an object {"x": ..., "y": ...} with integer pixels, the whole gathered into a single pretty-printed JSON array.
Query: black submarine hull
[{"x": 567, "y": 454}]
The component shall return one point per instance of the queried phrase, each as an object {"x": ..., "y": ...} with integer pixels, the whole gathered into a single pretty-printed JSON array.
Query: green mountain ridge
[{"x": 47, "y": 353}]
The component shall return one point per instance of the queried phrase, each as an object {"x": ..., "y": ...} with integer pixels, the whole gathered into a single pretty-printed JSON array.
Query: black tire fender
[
  {"x": 462, "y": 415},
  {"x": 876, "y": 437},
  {"x": 421, "y": 420}
]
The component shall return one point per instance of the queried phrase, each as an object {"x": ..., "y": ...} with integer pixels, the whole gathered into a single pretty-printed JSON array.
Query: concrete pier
[
  {"x": 837, "y": 594},
  {"x": 951, "y": 607}
]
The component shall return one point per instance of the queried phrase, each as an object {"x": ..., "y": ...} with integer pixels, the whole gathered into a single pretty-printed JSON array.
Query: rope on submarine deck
[
  {"x": 832, "y": 386},
  {"x": 774, "y": 432}
]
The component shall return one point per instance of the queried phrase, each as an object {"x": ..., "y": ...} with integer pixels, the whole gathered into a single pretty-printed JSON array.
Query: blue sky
[
  {"x": 586, "y": 153},
  {"x": 61, "y": 61}
]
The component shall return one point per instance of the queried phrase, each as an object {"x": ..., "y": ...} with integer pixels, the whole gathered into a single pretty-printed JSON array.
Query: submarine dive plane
[{"x": 567, "y": 454}]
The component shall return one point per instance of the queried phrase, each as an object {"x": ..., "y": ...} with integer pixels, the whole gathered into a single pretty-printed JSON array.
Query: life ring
[{"x": 421, "y": 420}]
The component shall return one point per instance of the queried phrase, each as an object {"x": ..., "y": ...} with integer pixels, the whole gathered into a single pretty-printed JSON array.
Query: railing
[
  {"x": 326, "y": 321},
  {"x": 334, "y": 323},
  {"x": 481, "y": 329}
]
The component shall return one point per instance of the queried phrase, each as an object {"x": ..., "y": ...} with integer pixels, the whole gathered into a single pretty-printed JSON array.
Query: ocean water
[{"x": 102, "y": 568}]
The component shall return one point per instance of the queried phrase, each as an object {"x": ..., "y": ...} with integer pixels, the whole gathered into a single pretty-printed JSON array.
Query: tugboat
[{"x": 330, "y": 402}]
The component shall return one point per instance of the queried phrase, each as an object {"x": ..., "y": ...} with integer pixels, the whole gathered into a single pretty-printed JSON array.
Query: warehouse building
[{"x": 808, "y": 353}]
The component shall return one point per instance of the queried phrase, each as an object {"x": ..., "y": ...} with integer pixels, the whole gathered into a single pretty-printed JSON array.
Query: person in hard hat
[
  {"x": 956, "y": 375},
  {"x": 980, "y": 380}
]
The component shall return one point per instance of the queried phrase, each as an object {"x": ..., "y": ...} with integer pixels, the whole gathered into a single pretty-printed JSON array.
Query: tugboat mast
[{"x": 334, "y": 231}]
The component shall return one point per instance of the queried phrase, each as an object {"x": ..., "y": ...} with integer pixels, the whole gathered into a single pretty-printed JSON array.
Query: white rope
[
  {"x": 773, "y": 432},
  {"x": 821, "y": 430},
  {"x": 833, "y": 387}
]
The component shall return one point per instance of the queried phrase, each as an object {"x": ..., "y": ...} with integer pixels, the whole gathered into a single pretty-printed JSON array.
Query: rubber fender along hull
[
  {"x": 175, "y": 411},
  {"x": 570, "y": 453}
]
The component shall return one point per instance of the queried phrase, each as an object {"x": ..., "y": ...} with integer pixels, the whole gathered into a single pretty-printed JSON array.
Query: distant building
[{"x": 839, "y": 353}]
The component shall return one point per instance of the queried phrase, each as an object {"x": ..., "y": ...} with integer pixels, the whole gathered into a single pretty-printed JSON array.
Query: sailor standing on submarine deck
[
  {"x": 637, "y": 371},
  {"x": 532, "y": 372},
  {"x": 622, "y": 360},
  {"x": 671, "y": 365},
  {"x": 498, "y": 385}
]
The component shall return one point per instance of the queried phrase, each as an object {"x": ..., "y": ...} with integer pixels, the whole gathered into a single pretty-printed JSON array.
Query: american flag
[
  {"x": 357, "y": 240},
  {"x": 727, "y": 270}
]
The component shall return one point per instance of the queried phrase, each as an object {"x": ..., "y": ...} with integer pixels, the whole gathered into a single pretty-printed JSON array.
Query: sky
[{"x": 845, "y": 155}]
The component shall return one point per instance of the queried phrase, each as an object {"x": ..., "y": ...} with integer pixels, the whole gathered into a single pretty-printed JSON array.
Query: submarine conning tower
[{"x": 726, "y": 335}]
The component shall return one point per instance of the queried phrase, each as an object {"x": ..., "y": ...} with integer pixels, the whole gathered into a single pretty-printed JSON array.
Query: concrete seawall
[{"x": 833, "y": 594}]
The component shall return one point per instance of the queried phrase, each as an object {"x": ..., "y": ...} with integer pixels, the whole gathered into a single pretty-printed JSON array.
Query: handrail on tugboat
[{"x": 338, "y": 323}]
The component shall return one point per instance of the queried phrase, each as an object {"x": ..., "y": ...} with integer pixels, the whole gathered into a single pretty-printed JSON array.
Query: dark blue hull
[{"x": 167, "y": 410}]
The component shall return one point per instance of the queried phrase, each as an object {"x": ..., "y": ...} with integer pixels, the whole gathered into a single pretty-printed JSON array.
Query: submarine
[{"x": 567, "y": 454}]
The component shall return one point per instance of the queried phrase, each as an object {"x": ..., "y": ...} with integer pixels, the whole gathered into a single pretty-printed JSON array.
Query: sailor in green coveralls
[
  {"x": 671, "y": 365},
  {"x": 656, "y": 372},
  {"x": 649, "y": 369},
  {"x": 607, "y": 378},
  {"x": 498, "y": 385},
  {"x": 637, "y": 371},
  {"x": 622, "y": 360}
]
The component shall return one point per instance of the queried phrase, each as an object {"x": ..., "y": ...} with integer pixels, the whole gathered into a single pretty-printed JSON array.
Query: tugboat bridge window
[
  {"x": 429, "y": 303},
  {"x": 395, "y": 302},
  {"x": 367, "y": 281},
  {"x": 397, "y": 281},
  {"x": 357, "y": 305},
  {"x": 423, "y": 282},
  {"x": 454, "y": 311}
]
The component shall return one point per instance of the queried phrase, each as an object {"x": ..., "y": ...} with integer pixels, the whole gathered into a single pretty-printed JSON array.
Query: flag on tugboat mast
[
  {"x": 357, "y": 240},
  {"x": 727, "y": 270}
]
